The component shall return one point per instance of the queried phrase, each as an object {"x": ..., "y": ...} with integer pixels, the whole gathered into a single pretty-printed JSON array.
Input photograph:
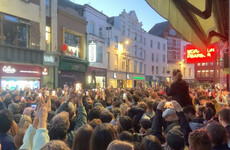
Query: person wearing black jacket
[{"x": 179, "y": 89}]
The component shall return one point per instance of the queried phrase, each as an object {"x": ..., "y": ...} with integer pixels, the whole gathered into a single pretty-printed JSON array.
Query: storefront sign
[
  {"x": 28, "y": 71},
  {"x": 127, "y": 77},
  {"x": 49, "y": 58},
  {"x": 193, "y": 55},
  {"x": 45, "y": 72},
  {"x": 114, "y": 75},
  {"x": 8, "y": 69},
  {"x": 92, "y": 52},
  {"x": 139, "y": 78}
]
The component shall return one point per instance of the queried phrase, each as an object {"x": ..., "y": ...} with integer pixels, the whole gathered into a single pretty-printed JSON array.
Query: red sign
[
  {"x": 193, "y": 55},
  {"x": 64, "y": 47}
]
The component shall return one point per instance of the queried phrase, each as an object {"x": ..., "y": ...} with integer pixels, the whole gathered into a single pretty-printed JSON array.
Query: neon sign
[
  {"x": 8, "y": 69},
  {"x": 193, "y": 55}
]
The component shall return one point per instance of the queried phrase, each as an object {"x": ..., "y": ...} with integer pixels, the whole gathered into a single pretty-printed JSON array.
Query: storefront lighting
[
  {"x": 139, "y": 78},
  {"x": 8, "y": 69},
  {"x": 89, "y": 79}
]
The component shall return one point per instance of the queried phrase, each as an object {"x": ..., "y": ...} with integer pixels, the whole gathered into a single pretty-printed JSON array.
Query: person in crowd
[
  {"x": 199, "y": 140},
  {"x": 55, "y": 145},
  {"x": 106, "y": 117},
  {"x": 149, "y": 142},
  {"x": 120, "y": 145},
  {"x": 224, "y": 119},
  {"x": 179, "y": 89}
]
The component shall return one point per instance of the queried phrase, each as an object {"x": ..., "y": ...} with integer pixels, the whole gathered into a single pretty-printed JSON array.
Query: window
[
  {"x": 172, "y": 32},
  {"x": 48, "y": 39},
  {"x": 203, "y": 73},
  {"x": 217, "y": 73},
  {"x": 158, "y": 45},
  {"x": 123, "y": 64},
  {"x": 152, "y": 57},
  {"x": 128, "y": 32},
  {"x": 100, "y": 32},
  {"x": 163, "y": 71},
  {"x": 163, "y": 46},
  {"x": 108, "y": 60},
  {"x": 91, "y": 27},
  {"x": 108, "y": 41},
  {"x": 184, "y": 72},
  {"x": 141, "y": 39},
  {"x": 203, "y": 64},
  {"x": 123, "y": 30},
  {"x": 48, "y": 8},
  {"x": 141, "y": 54},
  {"x": 190, "y": 72},
  {"x": 156, "y": 69},
  {"x": 144, "y": 41},
  {"x": 198, "y": 64},
  {"x": 15, "y": 31},
  {"x": 129, "y": 65},
  {"x": 163, "y": 58},
  {"x": 198, "y": 73},
  {"x": 116, "y": 41},
  {"x": 99, "y": 54},
  {"x": 157, "y": 57},
  {"x": 151, "y": 43},
  {"x": 152, "y": 70},
  {"x": 211, "y": 73},
  {"x": 135, "y": 37},
  {"x": 144, "y": 55},
  {"x": 211, "y": 64},
  {"x": 207, "y": 73},
  {"x": 140, "y": 68},
  {"x": 116, "y": 61},
  {"x": 135, "y": 66},
  {"x": 177, "y": 43},
  {"x": 206, "y": 64},
  {"x": 169, "y": 42},
  {"x": 144, "y": 68},
  {"x": 73, "y": 42}
]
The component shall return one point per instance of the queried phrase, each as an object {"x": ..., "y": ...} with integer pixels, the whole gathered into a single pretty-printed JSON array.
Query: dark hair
[
  {"x": 175, "y": 71},
  {"x": 217, "y": 133},
  {"x": 106, "y": 117},
  {"x": 126, "y": 136},
  {"x": 189, "y": 109},
  {"x": 102, "y": 136},
  {"x": 95, "y": 122},
  {"x": 6, "y": 119},
  {"x": 116, "y": 112},
  {"x": 199, "y": 140},
  {"x": 142, "y": 105},
  {"x": 146, "y": 123},
  {"x": 82, "y": 138},
  {"x": 151, "y": 142},
  {"x": 126, "y": 123},
  {"x": 211, "y": 105},
  {"x": 224, "y": 113},
  {"x": 208, "y": 113},
  {"x": 94, "y": 113},
  {"x": 136, "y": 98}
]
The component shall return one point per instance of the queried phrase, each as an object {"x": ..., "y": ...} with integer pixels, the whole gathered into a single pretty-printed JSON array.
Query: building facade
[
  {"x": 129, "y": 68},
  {"x": 23, "y": 43},
  {"x": 156, "y": 60},
  {"x": 71, "y": 44}
]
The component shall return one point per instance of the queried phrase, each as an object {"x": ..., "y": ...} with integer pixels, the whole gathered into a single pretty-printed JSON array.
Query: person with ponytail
[{"x": 179, "y": 89}]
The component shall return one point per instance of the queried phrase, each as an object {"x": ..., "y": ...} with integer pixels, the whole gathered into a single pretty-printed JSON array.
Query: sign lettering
[
  {"x": 92, "y": 52},
  {"x": 48, "y": 58},
  {"x": 8, "y": 69}
]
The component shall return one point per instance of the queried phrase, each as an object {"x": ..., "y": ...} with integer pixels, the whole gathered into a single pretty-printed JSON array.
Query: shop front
[
  {"x": 148, "y": 81},
  {"x": 139, "y": 81},
  {"x": 96, "y": 77},
  {"x": 119, "y": 79},
  {"x": 21, "y": 76},
  {"x": 50, "y": 72},
  {"x": 71, "y": 70}
]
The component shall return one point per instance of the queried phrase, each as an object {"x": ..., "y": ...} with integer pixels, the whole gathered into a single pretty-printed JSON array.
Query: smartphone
[
  {"x": 124, "y": 96},
  {"x": 53, "y": 93},
  {"x": 168, "y": 105},
  {"x": 78, "y": 86},
  {"x": 40, "y": 94},
  {"x": 33, "y": 106}
]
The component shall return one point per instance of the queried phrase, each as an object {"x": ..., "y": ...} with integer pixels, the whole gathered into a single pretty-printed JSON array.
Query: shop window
[
  {"x": 48, "y": 39},
  {"x": 156, "y": 69},
  {"x": 15, "y": 31},
  {"x": 152, "y": 70},
  {"x": 99, "y": 54},
  {"x": 48, "y": 8},
  {"x": 116, "y": 41},
  {"x": 73, "y": 42},
  {"x": 198, "y": 73}
]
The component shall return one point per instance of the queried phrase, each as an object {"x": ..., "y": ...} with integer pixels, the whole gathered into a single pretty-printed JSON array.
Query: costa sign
[
  {"x": 8, "y": 69},
  {"x": 193, "y": 55}
]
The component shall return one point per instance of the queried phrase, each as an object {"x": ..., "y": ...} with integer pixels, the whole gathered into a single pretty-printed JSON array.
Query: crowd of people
[{"x": 176, "y": 118}]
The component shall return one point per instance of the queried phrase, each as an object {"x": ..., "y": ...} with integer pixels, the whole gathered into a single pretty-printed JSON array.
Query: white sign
[
  {"x": 28, "y": 71},
  {"x": 92, "y": 52},
  {"x": 48, "y": 58},
  {"x": 114, "y": 75},
  {"x": 127, "y": 76},
  {"x": 8, "y": 69}
]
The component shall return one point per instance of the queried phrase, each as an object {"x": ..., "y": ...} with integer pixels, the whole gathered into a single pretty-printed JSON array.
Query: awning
[{"x": 201, "y": 22}]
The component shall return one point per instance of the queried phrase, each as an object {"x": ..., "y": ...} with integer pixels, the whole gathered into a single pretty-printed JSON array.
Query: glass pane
[{"x": 10, "y": 30}]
